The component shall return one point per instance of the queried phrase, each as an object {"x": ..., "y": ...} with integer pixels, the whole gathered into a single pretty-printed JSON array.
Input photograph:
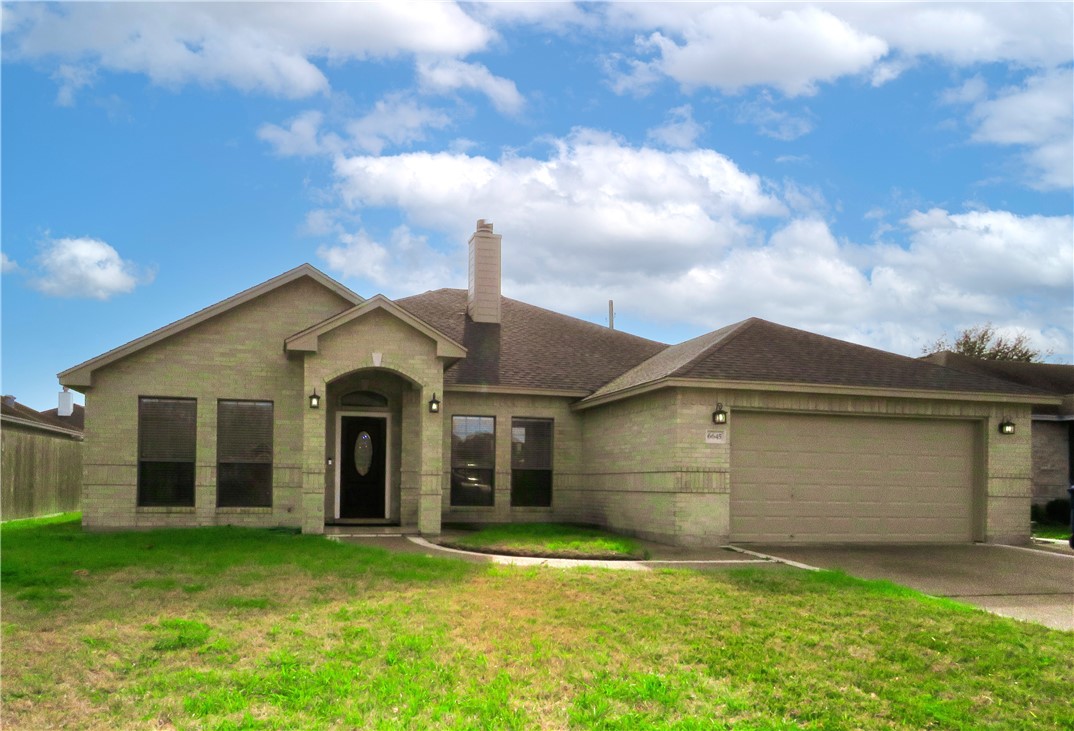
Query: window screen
[
  {"x": 473, "y": 459},
  {"x": 167, "y": 438},
  {"x": 244, "y": 454},
  {"x": 531, "y": 462}
]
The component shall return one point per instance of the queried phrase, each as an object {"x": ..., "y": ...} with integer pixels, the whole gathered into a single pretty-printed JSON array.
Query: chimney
[
  {"x": 9, "y": 400},
  {"x": 483, "y": 299},
  {"x": 66, "y": 405}
]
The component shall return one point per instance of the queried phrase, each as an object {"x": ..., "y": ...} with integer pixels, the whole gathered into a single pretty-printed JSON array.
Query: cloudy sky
[{"x": 879, "y": 173}]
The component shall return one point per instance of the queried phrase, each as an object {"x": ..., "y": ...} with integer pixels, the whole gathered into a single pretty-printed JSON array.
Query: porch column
[
  {"x": 314, "y": 468},
  {"x": 432, "y": 462}
]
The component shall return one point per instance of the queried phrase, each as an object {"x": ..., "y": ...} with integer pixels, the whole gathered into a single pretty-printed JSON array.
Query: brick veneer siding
[
  {"x": 346, "y": 351},
  {"x": 235, "y": 355},
  {"x": 567, "y": 503},
  {"x": 1051, "y": 460},
  {"x": 648, "y": 470}
]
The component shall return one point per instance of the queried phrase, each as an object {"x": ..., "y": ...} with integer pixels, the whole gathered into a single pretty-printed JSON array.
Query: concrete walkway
[
  {"x": 660, "y": 555},
  {"x": 1031, "y": 584}
]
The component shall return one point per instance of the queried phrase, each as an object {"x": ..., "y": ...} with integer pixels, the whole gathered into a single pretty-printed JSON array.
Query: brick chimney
[{"x": 483, "y": 298}]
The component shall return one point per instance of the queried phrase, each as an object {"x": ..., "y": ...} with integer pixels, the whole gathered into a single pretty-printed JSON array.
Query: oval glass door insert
[{"x": 363, "y": 453}]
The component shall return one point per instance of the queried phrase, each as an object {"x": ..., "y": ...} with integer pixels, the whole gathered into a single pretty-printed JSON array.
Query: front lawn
[
  {"x": 548, "y": 540},
  {"x": 227, "y": 628},
  {"x": 1051, "y": 530}
]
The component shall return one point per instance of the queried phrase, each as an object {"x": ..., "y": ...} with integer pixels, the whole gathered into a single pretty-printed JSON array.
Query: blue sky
[{"x": 880, "y": 173}]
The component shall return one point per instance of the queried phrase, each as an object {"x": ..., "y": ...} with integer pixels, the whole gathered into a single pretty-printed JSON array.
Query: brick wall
[
  {"x": 566, "y": 444},
  {"x": 235, "y": 355}
]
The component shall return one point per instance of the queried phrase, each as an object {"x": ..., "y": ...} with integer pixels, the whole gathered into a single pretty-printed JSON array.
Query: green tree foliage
[{"x": 982, "y": 341}]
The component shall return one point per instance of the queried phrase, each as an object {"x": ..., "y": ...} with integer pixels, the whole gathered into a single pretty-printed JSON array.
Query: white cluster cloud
[
  {"x": 85, "y": 267},
  {"x": 679, "y": 237},
  {"x": 448, "y": 75},
  {"x": 794, "y": 48},
  {"x": 267, "y": 47},
  {"x": 1038, "y": 116},
  {"x": 7, "y": 264},
  {"x": 680, "y": 131},
  {"x": 403, "y": 266},
  {"x": 596, "y": 205}
]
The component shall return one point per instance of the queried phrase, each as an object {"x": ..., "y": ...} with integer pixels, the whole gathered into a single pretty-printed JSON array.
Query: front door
[{"x": 362, "y": 466}]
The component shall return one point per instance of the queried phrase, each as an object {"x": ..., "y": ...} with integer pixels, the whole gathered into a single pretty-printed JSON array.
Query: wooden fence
[{"x": 40, "y": 472}]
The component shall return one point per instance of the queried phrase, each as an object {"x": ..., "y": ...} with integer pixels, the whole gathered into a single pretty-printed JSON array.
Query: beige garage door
[{"x": 848, "y": 479}]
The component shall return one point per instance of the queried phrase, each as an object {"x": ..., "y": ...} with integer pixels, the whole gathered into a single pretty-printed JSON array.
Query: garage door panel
[{"x": 804, "y": 478}]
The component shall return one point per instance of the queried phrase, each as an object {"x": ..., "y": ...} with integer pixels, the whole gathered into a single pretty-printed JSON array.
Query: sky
[{"x": 882, "y": 173}]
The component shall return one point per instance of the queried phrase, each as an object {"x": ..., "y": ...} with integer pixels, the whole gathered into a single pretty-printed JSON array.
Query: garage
[{"x": 804, "y": 478}]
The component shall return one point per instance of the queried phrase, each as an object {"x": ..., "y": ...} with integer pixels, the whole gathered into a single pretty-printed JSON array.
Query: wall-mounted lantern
[
  {"x": 719, "y": 416},
  {"x": 315, "y": 400},
  {"x": 434, "y": 404},
  {"x": 1006, "y": 426}
]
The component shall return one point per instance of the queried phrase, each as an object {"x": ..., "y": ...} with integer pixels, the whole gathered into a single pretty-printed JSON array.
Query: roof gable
[
  {"x": 80, "y": 376},
  {"x": 307, "y": 340}
]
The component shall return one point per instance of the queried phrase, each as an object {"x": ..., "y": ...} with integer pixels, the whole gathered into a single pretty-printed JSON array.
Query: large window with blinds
[
  {"x": 473, "y": 460},
  {"x": 167, "y": 438},
  {"x": 531, "y": 463},
  {"x": 243, "y": 454}
]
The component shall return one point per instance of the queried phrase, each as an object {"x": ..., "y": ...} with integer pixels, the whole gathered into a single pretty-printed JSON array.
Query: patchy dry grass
[
  {"x": 549, "y": 540},
  {"x": 230, "y": 629}
]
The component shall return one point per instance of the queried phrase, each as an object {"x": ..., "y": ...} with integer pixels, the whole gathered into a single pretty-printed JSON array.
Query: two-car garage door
[{"x": 851, "y": 479}]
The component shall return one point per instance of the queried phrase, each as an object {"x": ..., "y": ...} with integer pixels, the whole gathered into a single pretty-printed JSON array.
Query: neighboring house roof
[
  {"x": 77, "y": 419},
  {"x": 13, "y": 412},
  {"x": 531, "y": 348},
  {"x": 80, "y": 375},
  {"x": 1052, "y": 377},
  {"x": 307, "y": 340},
  {"x": 756, "y": 350}
]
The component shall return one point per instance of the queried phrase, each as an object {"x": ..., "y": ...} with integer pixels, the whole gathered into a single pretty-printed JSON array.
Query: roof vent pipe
[{"x": 611, "y": 314}]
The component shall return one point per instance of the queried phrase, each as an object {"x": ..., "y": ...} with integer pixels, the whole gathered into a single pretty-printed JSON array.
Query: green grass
[
  {"x": 288, "y": 631},
  {"x": 1051, "y": 530},
  {"x": 549, "y": 540}
]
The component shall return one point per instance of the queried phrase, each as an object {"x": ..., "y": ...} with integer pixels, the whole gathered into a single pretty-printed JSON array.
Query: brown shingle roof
[
  {"x": 531, "y": 347},
  {"x": 12, "y": 408},
  {"x": 757, "y": 350},
  {"x": 1052, "y": 377},
  {"x": 77, "y": 419}
]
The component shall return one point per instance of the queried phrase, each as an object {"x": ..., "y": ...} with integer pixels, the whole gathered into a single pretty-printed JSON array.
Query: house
[
  {"x": 42, "y": 462},
  {"x": 299, "y": 403},
  {"x": 1052, "y": 429}
]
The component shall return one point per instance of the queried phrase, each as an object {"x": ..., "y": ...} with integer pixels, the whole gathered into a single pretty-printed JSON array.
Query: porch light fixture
[
  {"x": 719, "y": 416},
  {"x": 434, "y": 404},
  {"x": 315, "y": 400},
  {"x": 1006, "y": 427}
]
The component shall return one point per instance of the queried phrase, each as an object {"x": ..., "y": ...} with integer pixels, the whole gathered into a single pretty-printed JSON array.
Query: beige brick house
[{"x": 299, "y": 403}]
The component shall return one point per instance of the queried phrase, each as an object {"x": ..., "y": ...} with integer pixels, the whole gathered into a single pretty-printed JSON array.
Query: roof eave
[
  {"x": 818, "y": 388},
  {"x": 73, "y": 433}
]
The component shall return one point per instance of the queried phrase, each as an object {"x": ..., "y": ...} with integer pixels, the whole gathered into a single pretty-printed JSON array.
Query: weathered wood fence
[{"x": 40, "y": 472}]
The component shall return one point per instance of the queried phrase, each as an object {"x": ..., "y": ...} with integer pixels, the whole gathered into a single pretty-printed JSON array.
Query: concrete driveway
[{"x": 1027, "y": 584}]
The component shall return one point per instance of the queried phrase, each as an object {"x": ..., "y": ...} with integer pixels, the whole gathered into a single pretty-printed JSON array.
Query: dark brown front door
[{"x": 362, "y": 466}]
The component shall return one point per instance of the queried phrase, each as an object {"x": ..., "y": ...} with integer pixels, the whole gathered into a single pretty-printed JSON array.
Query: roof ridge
[{"x": 733, "y": 331}]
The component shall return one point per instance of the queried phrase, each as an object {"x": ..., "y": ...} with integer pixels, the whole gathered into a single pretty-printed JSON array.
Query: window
[
  {"x": 473, "y": 459},
  {"x": 531, "y": 463},
  {"x": 366, "y": 399},
  {"x": 167, "y": 437},
  {"x": 244, "y": 454}
]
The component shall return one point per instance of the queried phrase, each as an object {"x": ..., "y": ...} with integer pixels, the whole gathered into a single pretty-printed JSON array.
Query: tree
[{"x": 982, "y": 341}]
